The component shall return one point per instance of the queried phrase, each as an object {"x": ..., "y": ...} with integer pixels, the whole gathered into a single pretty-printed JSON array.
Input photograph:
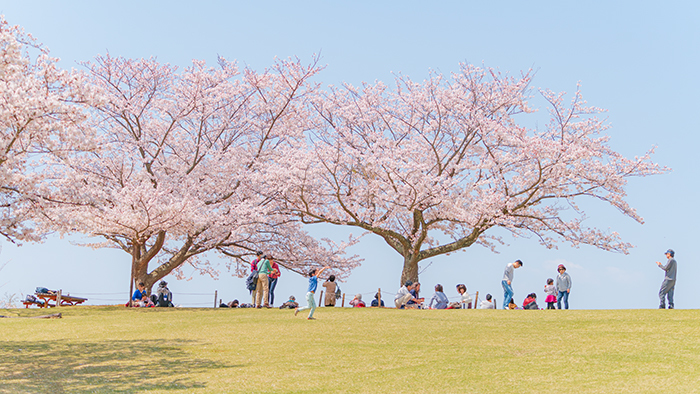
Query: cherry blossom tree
[
  {"x": 177, "y": 171},
  {"x": 431, "y": 167},
  {"x": 38, "y": 115}
]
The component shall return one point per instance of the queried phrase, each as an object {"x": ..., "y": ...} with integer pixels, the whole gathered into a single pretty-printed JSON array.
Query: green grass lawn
[{"x": 120, "y": 350}]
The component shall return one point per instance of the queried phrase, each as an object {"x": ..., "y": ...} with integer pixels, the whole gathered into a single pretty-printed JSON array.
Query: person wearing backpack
[
  {"x": 330, "y": 285},
  {"x": 164, "y": 295}
]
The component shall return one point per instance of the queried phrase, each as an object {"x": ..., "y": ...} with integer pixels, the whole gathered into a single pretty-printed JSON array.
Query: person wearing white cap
[{"x": 669, "y": 283}]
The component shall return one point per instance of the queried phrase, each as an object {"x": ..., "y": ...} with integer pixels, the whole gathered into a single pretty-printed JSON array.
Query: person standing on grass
[
  {"x": 262, "y": 291},
  {"x": 254, "y": 263},
  {"x": 563, "y": 287},
  {"x": 272, "y": 280},
  {"x": 330, "y": 285},
  {"x": 313, "y": 285},
  {"x": 551, "y": 292},
  {"x": 253, "y": 269},
  {"x": 669, "y": 284},
  {"x": 507, "y": 282}
]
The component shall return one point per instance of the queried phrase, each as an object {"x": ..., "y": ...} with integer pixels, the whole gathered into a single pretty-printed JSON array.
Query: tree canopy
[
  {"x": 176, "y": 172},
  {"x": 446, "y": 159},
  {"x": 39, "y": 114}
]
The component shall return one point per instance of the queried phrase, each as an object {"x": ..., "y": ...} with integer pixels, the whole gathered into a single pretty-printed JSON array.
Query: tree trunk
[
  {"x": 410, "y": 269},
  {"x": 141, "y": 276}
]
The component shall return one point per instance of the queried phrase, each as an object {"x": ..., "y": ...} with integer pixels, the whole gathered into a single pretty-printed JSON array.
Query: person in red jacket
[
  {"x": 530, "y": 302},
  {"x": 272, "y": 280}
]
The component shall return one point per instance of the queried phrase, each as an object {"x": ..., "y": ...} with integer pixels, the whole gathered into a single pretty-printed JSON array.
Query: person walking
[
  {"x": 563, "y": 287},
  {"x": 313, "y": 285},
  {"x": 507, "y": 282},
  {"x": 272, "y": 280},
  {"x": 669, "y": 284},
  {"x": 262, "y": 291}
]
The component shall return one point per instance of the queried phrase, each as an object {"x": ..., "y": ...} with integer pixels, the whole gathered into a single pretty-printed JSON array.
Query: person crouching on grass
[{"x": 313, "y": 284}]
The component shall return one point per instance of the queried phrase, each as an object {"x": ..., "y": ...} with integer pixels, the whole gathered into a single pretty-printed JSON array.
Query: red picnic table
[{"x": 66, "y": 300}]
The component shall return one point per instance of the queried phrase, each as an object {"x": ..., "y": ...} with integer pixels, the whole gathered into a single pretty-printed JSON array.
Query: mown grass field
[{"x": 120, "y": 350}]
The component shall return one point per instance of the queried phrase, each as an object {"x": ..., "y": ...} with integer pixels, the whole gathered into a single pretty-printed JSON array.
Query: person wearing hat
[
  {"x": 164, "y": 297},
  {"x": 669, "y": 283},
  {"x": 563, "y": 287}
]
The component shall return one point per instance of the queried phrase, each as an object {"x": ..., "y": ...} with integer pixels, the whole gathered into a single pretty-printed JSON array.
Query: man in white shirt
[{"x": 404, "y": 295}]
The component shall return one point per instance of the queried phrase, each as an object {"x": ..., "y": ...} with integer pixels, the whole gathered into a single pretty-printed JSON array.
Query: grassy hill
[{"x": 120, "y": 350}]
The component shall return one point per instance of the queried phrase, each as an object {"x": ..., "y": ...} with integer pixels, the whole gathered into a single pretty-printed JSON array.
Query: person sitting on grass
[
  {"x": 138, "y": 294},
  {"x": 439, "y": 298},
  {"x": 415, "y": 291},
  {"x": 375, "y": 301},
  {"x": 291, "y": 303},
  {"x": 357, "y": 301},
  {"x": 164, "y": 297},
  {"x": 404, "y": 296},
  {"x": 145, "y": 302},
  {"x": 512, "y": 304},
  {"x": 487, "y": 303},
  {"x": 530, "y": 302},
  {"x": 465, "y": 298}
]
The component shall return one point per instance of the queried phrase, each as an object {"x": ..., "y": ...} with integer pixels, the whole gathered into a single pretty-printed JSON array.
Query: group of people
[
  {"x": 556, "y": 292},
  {"x": 333, "y": 294},
  {"x": 408, "y": 296},
  {"x": 264, "y": 274},
  {"x": 163, "y": 297}
]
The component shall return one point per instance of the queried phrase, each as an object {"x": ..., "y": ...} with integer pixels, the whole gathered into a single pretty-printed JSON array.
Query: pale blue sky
[{"x": 637, "y": 59}]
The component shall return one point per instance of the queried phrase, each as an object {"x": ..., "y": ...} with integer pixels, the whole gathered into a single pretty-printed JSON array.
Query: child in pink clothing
[{"x": 551, "y": 292}]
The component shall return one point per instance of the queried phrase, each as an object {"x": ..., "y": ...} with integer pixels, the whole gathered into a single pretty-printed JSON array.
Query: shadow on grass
[{"x": 114, "y": 366}]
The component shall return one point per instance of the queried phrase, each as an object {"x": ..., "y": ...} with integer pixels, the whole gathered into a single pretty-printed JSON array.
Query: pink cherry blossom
[
  {"x": 38, "y": 115},
  {"x": 431, "y": 167},
  {"x": 177, "y": 168}
]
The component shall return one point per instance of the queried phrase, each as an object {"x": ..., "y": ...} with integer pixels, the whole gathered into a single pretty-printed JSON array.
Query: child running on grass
[{"x": 313, "y": 284}]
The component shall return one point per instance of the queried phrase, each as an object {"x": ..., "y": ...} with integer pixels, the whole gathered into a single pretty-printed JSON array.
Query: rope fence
[{"x": 203, "y": 300}]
